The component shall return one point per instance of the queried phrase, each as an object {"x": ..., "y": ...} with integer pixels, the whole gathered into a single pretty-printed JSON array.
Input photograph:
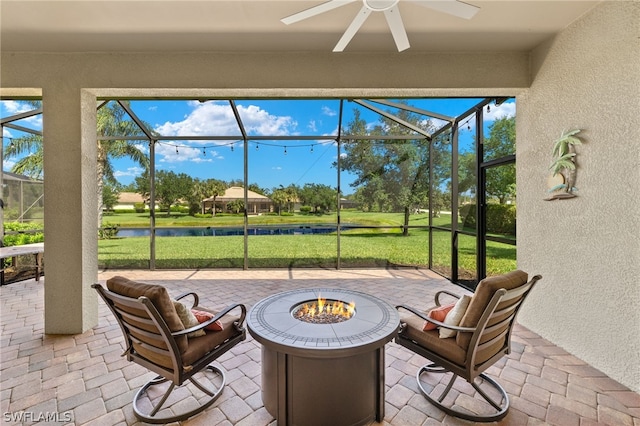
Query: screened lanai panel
[
  {"x": 384, "y": 217},
  {"x": 202, "y": 224},
  {"x": 466, "y": 242},
  {"x": 296, "y": 224}
]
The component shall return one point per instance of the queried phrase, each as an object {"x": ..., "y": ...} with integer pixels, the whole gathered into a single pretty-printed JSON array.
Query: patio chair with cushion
[
  {"x": 464, "y": 342},
  {"x": 156, "y": 338}
]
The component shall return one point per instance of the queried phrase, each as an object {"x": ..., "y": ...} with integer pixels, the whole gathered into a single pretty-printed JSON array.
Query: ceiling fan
[{"x": 391, "y": 13}]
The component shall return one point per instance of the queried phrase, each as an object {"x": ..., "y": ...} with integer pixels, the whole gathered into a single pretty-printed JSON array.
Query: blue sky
[{"x": 271, "y": 162}]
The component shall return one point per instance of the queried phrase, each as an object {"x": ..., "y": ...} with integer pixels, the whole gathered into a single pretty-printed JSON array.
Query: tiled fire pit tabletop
[{"x": 344, "y": 361}]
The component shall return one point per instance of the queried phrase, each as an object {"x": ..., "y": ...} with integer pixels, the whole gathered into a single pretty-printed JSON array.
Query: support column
[{"x": 70, "y": 195}]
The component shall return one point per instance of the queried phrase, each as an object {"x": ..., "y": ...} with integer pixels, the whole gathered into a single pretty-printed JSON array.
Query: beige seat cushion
[
  {"x": 199, "y": 346},
  {"x": 483, "y": 294},
  {"x": 446, "y": 348}
]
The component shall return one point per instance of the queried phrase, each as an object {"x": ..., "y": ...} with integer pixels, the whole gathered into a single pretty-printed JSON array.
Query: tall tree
[
  {"x": 112, "y": 121},
  {"x": 110, "y": 194},
  {"x": 171, "y": 188},
  {"x": 393, "y": 174},
  {"x": 501, "y": 181},
  {"x": 318, "y": 196}
]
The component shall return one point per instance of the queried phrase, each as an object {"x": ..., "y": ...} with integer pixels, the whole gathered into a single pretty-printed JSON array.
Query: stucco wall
[{"x": 586, "y": 248}]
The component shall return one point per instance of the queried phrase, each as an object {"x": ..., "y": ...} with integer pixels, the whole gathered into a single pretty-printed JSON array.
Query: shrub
[
  {"x": 179, "y": 209},
  {"x": 501, "y": 218},
  {"x": 108, "y": 232},
  {"x": 22, "y": 233},
  {"x": 305, "y": 209},
  {"x": 139, "y": 207}
]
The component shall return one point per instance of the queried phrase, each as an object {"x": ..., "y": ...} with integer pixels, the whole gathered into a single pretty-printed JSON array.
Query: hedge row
[{"x": 501, "y": 218}]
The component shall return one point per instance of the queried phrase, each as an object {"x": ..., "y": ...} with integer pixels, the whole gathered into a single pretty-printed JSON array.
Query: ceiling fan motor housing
[{"x": 380, "y": 5}]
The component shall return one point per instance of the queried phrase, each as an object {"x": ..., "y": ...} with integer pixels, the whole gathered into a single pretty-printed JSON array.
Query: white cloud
[
  {"x": 507, "y": 109},
  {"x": 129, "y": 172},
  {"x": 8, "y": 164},
  {"x": 312, "y": 126},
  {"x": 328, "y": 111},
  {"x": 217, "y": 119},
  {"x": 202, "y": 160},
  {"x": 260, "y": 122},
  {"x": 142, "y": 147},
  {"x": 18, "y": 107}
]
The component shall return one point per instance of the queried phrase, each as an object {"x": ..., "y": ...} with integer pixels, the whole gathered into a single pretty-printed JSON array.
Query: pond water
[{"x": 223, "y": 232}]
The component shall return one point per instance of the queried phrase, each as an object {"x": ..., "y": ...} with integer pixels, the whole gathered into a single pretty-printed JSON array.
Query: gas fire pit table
[{"x": 323, "y": 372}]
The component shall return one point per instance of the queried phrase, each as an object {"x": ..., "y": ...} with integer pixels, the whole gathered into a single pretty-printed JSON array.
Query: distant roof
[
  {"x": 21, "y": 178},
  {"x": 130, "y": 197},
  {"x": 237, "y": 192}
]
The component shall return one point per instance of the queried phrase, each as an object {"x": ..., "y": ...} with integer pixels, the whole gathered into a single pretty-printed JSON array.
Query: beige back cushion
[
  {"x": 158, "y": 295},
  {"x": 484, "y": 292}
]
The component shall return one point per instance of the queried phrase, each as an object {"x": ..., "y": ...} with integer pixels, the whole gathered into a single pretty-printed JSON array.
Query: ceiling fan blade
[
  {"x": 316, "y": 10},
  {"x": 397, "y": 28},
  {"x": 452, "y": 7},
  {"x": 352, "y": 29}
]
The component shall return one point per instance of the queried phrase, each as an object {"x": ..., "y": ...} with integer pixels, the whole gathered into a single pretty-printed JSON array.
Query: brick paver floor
[{"x": 83, "y": 379}]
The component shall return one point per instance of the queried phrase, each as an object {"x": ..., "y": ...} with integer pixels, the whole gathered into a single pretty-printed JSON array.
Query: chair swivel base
[
  {"x": 500, "y": 408},
  {"x": 149, "y": 416}
]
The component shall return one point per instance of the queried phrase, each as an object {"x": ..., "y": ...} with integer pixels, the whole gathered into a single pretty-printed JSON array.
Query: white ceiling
[{"x": 254, "y": 25}]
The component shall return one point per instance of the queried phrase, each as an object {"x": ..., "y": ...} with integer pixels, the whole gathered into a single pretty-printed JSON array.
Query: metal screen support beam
[
  {"x": 236, "y": 113},
  {"x": 481, "y": 211},
  {"x": 338, "y": 213},
  {"x": 152, "y": 204},
  {"x": 454, "y": 204}
]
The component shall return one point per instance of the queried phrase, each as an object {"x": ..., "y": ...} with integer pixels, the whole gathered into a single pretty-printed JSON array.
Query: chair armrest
[
  {"x": 196, "y": 299},
  {"x": 414, "y": 311},
  {"x": 448, "y": 293},
  {"x": 437, "y": 323},
  {"x": 225, "y": 311}
]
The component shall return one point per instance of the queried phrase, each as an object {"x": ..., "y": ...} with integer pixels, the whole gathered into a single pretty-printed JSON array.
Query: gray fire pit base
[
  {"x": 323, "y": 374},
  {"x": 318, "y": 388}
]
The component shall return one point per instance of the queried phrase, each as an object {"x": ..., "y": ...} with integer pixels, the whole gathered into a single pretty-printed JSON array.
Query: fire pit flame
[{"x": 325, "y": 311}]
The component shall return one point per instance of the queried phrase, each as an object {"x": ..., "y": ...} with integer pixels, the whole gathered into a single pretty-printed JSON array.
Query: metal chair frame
[
  {"x": 471, "y": 370},
  {"x": 179, "y": 373}
]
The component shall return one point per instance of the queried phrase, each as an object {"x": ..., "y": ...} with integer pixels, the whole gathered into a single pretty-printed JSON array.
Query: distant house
[
  {"x": 345, "y": 203},
  {"x": 256, "y": 203},
  {"x": 127, "y": 200}
]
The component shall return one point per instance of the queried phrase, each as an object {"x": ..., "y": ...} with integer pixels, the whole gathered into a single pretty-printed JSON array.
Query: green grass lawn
[{"x": 366, "y": 247}]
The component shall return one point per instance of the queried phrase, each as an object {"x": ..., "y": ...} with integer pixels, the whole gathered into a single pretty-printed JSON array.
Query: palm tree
[
  {"x": 565, "y": 161},
  {"x": 279, "y": 196},
  {"x": 214, "y": 188},
  {"x": 111, "y": 121}
]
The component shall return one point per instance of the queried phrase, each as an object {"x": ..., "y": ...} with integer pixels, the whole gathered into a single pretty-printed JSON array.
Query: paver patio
[{"x": 84, "y": 380}]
